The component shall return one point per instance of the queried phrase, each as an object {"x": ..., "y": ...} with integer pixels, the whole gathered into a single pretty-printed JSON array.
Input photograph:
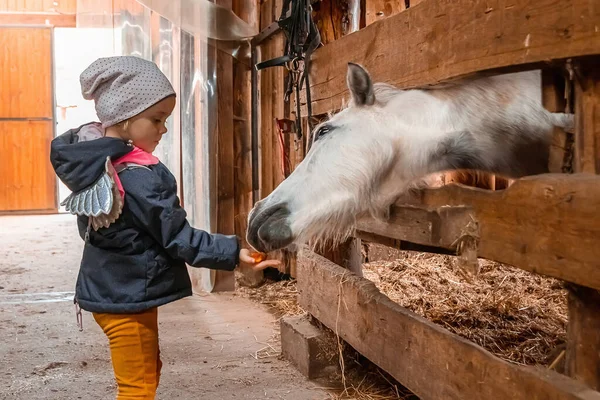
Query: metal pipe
[{"x": 354, "y": 15}]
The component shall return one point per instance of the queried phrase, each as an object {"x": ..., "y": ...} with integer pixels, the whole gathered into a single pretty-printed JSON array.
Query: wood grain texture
[
  {"x": 331, "y": 18},
  {"x": 439, "y": 40},
  {"x": 347, "y": 255},
  {"x": 267, "y": 115},
  {"x": 249, "y": 12},
  {"x": 426, "y": 358},
  {"x": 50, "y": 19},
  {"x": 224, "y": 280},
  {"x": 376, "y": 10},
  {"x": 587, "y": 118},
  {"x": 553, "y": 98},
  {"x": 278, "y": 108},
  {"x": 26, "y": 73},
  {"x": 441, "y": 227},
  {"x": 583, "y": 336},
  {"x": 39, "y": 6},
  {"x": 583, "y": 331},
  {"x": 27, "y": 180}
]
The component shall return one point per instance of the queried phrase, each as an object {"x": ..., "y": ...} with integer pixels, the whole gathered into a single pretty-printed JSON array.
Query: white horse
[{"x": 364, "y": 157}]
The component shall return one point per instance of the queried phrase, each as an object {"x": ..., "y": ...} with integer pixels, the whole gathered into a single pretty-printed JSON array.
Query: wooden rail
[
  {"x": 546, "y": 224},
  {"x": 428, "y": 359},
  {"x": 440, "y": 40},
  {"x": 41, "y": 18}
]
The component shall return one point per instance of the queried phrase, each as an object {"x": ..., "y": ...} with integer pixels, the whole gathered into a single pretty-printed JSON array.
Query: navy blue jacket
[{"x": 138, "y": 262}]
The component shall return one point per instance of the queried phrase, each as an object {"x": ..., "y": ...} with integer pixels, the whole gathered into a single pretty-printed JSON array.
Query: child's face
[{"x": 147, "y": 128}]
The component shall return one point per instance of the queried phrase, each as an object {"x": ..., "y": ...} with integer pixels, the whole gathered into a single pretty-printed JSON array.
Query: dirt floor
[{"x": 215, "y": 346}]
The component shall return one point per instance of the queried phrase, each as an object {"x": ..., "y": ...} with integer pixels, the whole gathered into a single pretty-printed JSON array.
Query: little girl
[{"x": 137, "y": 238}]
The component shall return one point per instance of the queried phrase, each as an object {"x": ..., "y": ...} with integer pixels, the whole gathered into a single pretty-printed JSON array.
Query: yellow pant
[{"x": 133, "y": 340}]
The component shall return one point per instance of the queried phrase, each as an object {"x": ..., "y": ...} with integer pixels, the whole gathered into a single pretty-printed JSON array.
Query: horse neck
[{"x": 427, "y": 134}]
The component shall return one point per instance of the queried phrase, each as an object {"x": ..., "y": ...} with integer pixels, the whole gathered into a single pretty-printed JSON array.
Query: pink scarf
[{"x": 137, "y": 156}]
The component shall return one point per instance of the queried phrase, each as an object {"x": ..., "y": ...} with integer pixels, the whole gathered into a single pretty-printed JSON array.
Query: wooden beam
[
  {"x": 401, "y": 244},
  {"x": 583, "y": 331},
  {"x": 277, "y": 45},
  {"x": 376, "y": 10},
  {"x": 331, "y": 18},
  {"x": 583, "y": 336},
  {"x": 225, "y": 281},
  {"x": 267, "y": 161},
  {"x": 50, "y": 19},
  {"x": 553, "y": 98},
  {"x": 546, "y": 224},
  {"x": 271, "y": 101},
  {"x": 347, "y": 255},
  {"x": 587, "y": 117},
  {"x": 426, "y": 358},
  {"x": 440, "y": 227},
  {"x": 439, "y": 40},
  {"x": 225, "y": 222},
  {"x": 39, "y": 6},
  {"x": 249, "y": 12}
]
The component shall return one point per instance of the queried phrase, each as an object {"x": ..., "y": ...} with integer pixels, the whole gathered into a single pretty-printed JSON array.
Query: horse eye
[{"x": 325, "y": 129}]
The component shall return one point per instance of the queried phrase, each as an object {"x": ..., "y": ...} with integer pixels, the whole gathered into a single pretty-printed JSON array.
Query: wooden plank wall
[
  {"x": 40, "y": 12},
  {"x": 460, "y": 44},
  {"x": 39, "y": 6}
]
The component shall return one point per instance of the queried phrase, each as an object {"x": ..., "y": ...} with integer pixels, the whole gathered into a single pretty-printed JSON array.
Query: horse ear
[{"x": 360, "y": 85}]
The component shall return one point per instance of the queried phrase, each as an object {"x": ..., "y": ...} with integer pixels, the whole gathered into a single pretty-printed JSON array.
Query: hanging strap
[{"x": 302, "y": 38}]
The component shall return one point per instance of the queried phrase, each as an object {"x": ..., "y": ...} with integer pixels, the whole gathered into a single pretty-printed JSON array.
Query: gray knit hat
[{"x": 123, "y": 87}]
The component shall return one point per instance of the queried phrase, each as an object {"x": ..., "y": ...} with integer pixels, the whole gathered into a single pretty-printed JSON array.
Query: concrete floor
[{"x": 214, "y": 346}]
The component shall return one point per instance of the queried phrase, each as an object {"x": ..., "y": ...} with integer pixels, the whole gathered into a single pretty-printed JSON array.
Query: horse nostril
[
  {"x": 267, "y": 227},
  {"x": 275, "y": 234}
]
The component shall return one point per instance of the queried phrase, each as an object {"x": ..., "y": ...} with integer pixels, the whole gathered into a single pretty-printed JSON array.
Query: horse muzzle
[{"x": 268, "y": 227}]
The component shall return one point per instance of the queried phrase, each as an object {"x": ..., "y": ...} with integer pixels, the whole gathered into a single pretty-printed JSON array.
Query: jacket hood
[{"x": 79, "y": 155}]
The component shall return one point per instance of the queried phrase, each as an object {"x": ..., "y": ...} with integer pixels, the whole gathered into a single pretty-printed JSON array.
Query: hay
[
  {"x": 516, "y": 315},
  {"x": 281, "y": 297},
  {"x": 362, "y": 380}
]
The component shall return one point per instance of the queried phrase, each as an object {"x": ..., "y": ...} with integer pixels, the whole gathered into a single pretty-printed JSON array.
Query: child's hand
[{"x": 257, "y": 260}]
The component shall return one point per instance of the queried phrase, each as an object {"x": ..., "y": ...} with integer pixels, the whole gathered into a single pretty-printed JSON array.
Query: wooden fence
[{"x": 546, "y": 224}]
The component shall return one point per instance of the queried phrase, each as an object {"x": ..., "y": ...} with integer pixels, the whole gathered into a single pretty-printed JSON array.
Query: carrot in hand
[{"x": 258, "y": 256}]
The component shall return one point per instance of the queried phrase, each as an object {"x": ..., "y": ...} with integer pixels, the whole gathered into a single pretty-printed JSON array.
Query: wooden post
[
  {"x": 267, "y": 115},
  {"x": 347, "y": 255},
  {"x": 587, "y": 117},
  {"x": 583, "y": 336},
  {"x": 225, "y": 281},
  {"x": 583, "y": 331},
  {"x": 249, "y": 12},
  {"x": 379, "y": 9},
  {"x": 330, "y": 16},
  {"x": 553, "y": 98}
]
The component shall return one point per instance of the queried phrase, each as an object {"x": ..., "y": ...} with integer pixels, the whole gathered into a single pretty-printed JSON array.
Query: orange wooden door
[{"x": 27, "y": 181}]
